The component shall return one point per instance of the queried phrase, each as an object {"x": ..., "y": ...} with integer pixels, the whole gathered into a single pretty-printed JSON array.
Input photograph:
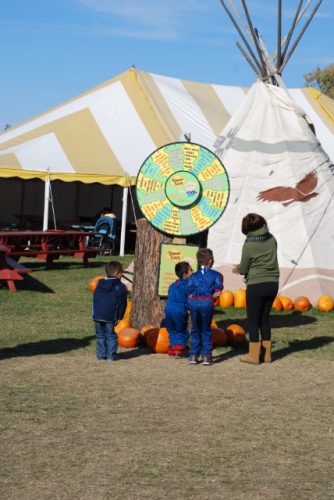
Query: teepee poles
[
  {"x": 299, "y": 36},
  {"x": 268, "y": 68}
]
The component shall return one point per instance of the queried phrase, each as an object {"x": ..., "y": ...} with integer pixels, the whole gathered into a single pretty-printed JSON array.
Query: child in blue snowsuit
[
  {"x": 202, "y": 287},
  {"x": 176, "y": 310},
  {"x": 109, "y": 304}
]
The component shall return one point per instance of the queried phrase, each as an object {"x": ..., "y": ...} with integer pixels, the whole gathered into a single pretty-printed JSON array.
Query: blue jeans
[
  {"x": 201, "y": 313},
  {"x": 106, "y": 340}
]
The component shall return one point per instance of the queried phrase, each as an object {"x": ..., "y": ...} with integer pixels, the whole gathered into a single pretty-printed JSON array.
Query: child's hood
[{"x": 108, "y": 284}]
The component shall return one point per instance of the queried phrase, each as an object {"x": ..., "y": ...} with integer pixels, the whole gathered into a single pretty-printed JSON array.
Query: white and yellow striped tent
[
  {"x": 107, "y": 132},
  {"x": 104, "y": 135}
]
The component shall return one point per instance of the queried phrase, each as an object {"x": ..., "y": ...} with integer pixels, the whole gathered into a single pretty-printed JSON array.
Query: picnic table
[{"x": 44, "y": 245}]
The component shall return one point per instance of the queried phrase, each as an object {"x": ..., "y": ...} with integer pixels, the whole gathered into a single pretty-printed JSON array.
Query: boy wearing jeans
[
  {"x": 109, "y": 304},
  {"x": 202, "y": 287}
]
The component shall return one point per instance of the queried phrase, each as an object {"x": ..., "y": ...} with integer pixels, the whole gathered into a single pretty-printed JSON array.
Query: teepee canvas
[{"x": 278, "y": 169}]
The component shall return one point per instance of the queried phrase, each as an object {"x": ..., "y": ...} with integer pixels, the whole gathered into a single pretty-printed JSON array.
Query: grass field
[{"x": 150, "y": 427}]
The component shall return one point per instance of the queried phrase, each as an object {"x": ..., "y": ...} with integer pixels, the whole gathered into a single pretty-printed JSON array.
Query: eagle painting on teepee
[{"x": 278, "y": 169}]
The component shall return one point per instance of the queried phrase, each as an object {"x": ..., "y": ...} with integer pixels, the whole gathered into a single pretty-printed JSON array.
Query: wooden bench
[{"x": 10, "y": 269}]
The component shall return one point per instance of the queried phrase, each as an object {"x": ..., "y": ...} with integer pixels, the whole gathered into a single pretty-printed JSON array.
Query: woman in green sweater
[{"x": 260, "y": 267}]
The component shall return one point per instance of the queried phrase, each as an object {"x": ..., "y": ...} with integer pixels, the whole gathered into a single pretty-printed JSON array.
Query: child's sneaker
[
  {"x": 193, "y": 359},
  {"x": 207, "y": 361}
]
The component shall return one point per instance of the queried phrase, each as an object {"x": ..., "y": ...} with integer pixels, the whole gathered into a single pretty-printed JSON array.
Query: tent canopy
[{"x": 105, "y": 134}]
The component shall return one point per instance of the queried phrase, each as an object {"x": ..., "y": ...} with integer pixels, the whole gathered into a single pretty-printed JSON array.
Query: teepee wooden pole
[
  {"x": 235, "y": 24},
  {"x": 251, "y": 27},
  {"x": 279, "y": 34},
  {"x": 299, "y": 36},
  {"x": 244, "y": 53},
  {"x": 296, "y": 20}
]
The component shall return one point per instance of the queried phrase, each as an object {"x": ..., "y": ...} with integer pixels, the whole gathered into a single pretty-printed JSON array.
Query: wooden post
[{"x": 147, "y": 307}]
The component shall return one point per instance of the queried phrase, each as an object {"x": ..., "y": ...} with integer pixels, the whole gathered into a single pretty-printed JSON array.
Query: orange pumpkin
[
  {"x": 236, "y": 334},
  {"x": 325, "y": 303},
  {"x": 277, "y": 304},
  {"x": 128, "y": 310},
  {"x": 217, "y": 302},
  {"x": 219, "y": 337},
  {"x": 302, "y": 303},
  {"x": 157, "y": 340},
  {"x": 214, "y": 324},
  {"x": 146, "y": 328},
  {"x": 94, "y": 281},
  {"x": 128, "y": 337},
  {"x": 286, "y": 302},
  {"x": 226, "y": 299},
  {"x": 124, "y": 323},
  {"x": 240, "y": 298}
]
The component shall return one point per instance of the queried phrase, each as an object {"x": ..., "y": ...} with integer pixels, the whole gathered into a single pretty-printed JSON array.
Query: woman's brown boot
[
  {"x": 266, "y": 351},
  {"x": 253, "y": 356}
]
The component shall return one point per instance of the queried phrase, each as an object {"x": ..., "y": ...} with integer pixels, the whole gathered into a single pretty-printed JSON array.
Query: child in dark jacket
[
  {"x": 202, "y": 287},
  {"x": 176, "y": 310},
  {"x": 109, "y": 304}
]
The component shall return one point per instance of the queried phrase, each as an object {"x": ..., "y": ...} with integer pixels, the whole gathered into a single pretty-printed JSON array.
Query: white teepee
[{"x": 277, "y": 168}]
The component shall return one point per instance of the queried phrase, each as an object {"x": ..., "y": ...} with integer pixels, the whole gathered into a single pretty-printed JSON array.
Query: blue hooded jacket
[{"x": 109, "y": 300}]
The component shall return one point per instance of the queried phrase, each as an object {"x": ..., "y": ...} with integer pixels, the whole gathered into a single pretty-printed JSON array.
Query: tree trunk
[{"x": 147, "y": 307}]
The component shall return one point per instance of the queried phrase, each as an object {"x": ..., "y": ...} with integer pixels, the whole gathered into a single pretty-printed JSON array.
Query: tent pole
[
  {"x": 124, "y": 217},
  {"x": 46, "y": 203}
]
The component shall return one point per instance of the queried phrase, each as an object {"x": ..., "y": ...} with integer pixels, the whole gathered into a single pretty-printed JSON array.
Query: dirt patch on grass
[{"x": 153, "y": 427}]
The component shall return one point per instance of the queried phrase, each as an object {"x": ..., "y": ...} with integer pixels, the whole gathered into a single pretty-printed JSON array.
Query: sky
[{"x": 54, "y": 50}]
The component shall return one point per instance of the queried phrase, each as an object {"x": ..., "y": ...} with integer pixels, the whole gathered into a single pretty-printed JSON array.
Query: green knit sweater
[{"x": 259, "y": 257}]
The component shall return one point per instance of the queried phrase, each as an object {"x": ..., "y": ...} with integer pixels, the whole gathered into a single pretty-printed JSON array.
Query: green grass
[{"x": 148, "y": 427}]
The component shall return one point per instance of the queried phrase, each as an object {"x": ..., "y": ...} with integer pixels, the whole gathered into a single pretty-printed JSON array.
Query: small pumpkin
[
  {"x": 286, "y": 302},
  {"x": 219, "y": 337},
  {"x": 128, "y": 337},
  {"x": 236, "y": 334},
  {"x": 226, "y": 299},
  {"x": 123, "y": 323},
  {"x": 302, "y": 303},
  {"x": 325, "y": 303},
  {"x": 157, "y": 340},
  {"x": 240, "y": 298},
  {"x": 214, "y": 324},
  {"x": 94, "y": 281},
  {"x": 277, "y": 304}
]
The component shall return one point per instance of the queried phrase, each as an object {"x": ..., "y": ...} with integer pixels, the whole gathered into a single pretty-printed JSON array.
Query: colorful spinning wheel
[{"x": 182, "y": 188}]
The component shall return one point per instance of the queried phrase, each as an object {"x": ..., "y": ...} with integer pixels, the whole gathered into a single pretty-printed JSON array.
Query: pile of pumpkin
[{"x": 281, "y": 302}]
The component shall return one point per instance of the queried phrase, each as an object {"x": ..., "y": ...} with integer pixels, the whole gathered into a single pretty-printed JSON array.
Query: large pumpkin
[
  {"x": 302, "y": 303},
  {"x": 240, "y": 298},
  {"x": 286, "y": 302},
  {"x": 277, "y": 304},
  {"x": 94, "y": 281},
  {"x": 325, "y": 303},
  {"x": 124, "y": 323},
  {"x": 219, "y": 337},
  {"x": 236, "y": 334},
  {"x": 128, "y": 337},
  {"x": 226, "y": 299},
  {"x": 128, "y": 310},
  {"x": 157, "y": 340}
]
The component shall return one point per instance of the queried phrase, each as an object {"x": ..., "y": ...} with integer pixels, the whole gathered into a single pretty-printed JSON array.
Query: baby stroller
[{"x": 105, "y": 238}]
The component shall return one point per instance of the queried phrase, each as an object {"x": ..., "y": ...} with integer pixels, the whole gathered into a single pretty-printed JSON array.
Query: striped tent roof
[{"x": 105, "y": 134}]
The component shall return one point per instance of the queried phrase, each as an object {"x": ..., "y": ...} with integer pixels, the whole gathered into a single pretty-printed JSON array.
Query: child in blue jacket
[
  {"x": 109, "y": 304},
  {"x": 176, "y": 310},
  {"x": 203, "y": 287}
]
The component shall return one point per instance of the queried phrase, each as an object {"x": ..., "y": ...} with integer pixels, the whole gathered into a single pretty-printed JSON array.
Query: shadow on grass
[
  {"x": 55, "y": 346},
  {"x": 302, "y": 345},
  {"x": 33, "y": 285},
  {"x": 133, "y": 353},
  {"x": 296, "y": 318}
]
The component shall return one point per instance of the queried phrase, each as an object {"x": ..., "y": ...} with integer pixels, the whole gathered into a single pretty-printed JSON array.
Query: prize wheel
[{"x": 182, "y": 188}]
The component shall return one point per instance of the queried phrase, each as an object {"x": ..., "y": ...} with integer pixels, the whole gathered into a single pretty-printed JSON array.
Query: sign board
[
  {"x": 170, "y": 255},
  {"x": 182, "y": 188}
]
